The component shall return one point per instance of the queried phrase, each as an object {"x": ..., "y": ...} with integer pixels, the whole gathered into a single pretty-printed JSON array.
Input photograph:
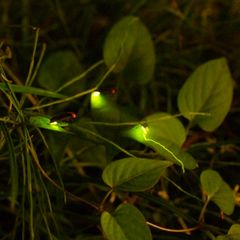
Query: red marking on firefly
[
  {"x": 64, "y": 117},
  {"x": 113, "y": 91}
]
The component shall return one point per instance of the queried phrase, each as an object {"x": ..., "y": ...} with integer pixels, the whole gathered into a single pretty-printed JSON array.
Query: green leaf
[
  {"x": 208, "y": 90},
  {"x": 235, "y": 229},
  {"x": 14, "y": 175},
  {"x": 31, "y": 90},
  {"x": 134, "y": 174},
  {"x": 217, "y": 190},
  {"x": 163, "y": 142},
  {"x": 211, "y": 182},
  {"x": 224, "y": 198},
  {"x": 173, "y": 153},
  {"x": 187, "y": 159},
  {"x": 223, "y": 237},
  {"x": 44, "y": 122},
  {"x": 165, "y": 134},
  {"x": 60, "y": 67},
  {"x": 126, "y": 223},
  {"x": 233, "y": 233},
  {"x": 163, "y": 126},
  {"x": 129, "y": 46}
]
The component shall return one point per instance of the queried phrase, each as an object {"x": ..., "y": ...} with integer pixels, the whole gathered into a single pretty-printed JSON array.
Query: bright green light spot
[
  {"x": 97, "y": 100},
  {"x": 59, "y": 124},
  {"x": 142, "y": 134},
  {"x": 145, "y": 130},
  {"x": 44, "y": 122},
  {"x": 137, "y": 133},
  {"x": 56, "y": 128},
  {"x": 96, "y": 94}
]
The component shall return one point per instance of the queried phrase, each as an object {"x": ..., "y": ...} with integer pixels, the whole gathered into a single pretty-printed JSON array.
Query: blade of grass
[
  {"x": 14, "y": 176},
  {"x": 54, "y": 162},
  {"x": 67, "y": 99},
  {"x": 29, "y": 166},
  {"x": 23, "y": 200},
  {"x": 84, "y": 130},
  {"x": 31, "y": 90},
  {"x": 25, "y": 12},
  {"x": 47, "y": 226},
  {"x": 32, "y": 62},
  {"x": 182, "y": 190},
  {"x": 45, "y": 175},
  {"x": 12, "y": 97},
  {"x": 16, "y": 80},
  {"x": 44, "y": 196},
  {"x": 28, "y": 181},
  {"x": 34, "y": 74},
  {"x": 43, "y": 199},
  {"x": 45, "y": 191},
  {"x": 84, "y": 74}
]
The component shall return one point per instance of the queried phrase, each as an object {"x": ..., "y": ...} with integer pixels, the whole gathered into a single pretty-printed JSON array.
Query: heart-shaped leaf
[
  {"x": 224, "y": 199},
  {"x": 217, "y": 190},
  {"x": 58, "y": 69},
  {"x": 134, "y": 174},
  {"x": 233, "y": 233},
  {"x": 161, "y": 139},
  {"x": 163, "y": 126},
  {"x": 206, "y": 96},
  {"x": 126, "y": 223},
  {"x": 129, "y": 46},
  {"x": 173, "y": 153},
  {"x": 235, "y": 229},
  {"x": 211, "y": 182}
]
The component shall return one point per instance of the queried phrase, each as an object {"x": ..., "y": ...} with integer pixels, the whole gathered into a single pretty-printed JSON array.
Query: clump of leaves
[{"x": 114, "y": 166}]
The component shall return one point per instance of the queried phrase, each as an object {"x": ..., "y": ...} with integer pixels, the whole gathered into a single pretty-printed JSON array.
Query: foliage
[{"x": 119, "y": 124}]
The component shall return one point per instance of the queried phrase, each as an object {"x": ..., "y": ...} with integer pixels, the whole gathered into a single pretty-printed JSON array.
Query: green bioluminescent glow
[
  {"x": 55, "y": 126},
  {"x": 44, "y": 122},
  {"x": 137, "y": 133},
  {"x": 97, "y": 100},
  {"x": 54, "y": 123},
  {"x": 96, "y": 94},
  {"x": 141, "y": 134}
]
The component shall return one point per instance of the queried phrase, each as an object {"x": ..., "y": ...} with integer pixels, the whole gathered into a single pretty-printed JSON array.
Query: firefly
[
  {"x": 64, "y": 117},
  {"x": 110, "y": 91}
]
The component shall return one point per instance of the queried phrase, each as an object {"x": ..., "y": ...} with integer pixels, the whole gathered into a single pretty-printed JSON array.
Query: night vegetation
[{"x": 119, "y": 119}]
